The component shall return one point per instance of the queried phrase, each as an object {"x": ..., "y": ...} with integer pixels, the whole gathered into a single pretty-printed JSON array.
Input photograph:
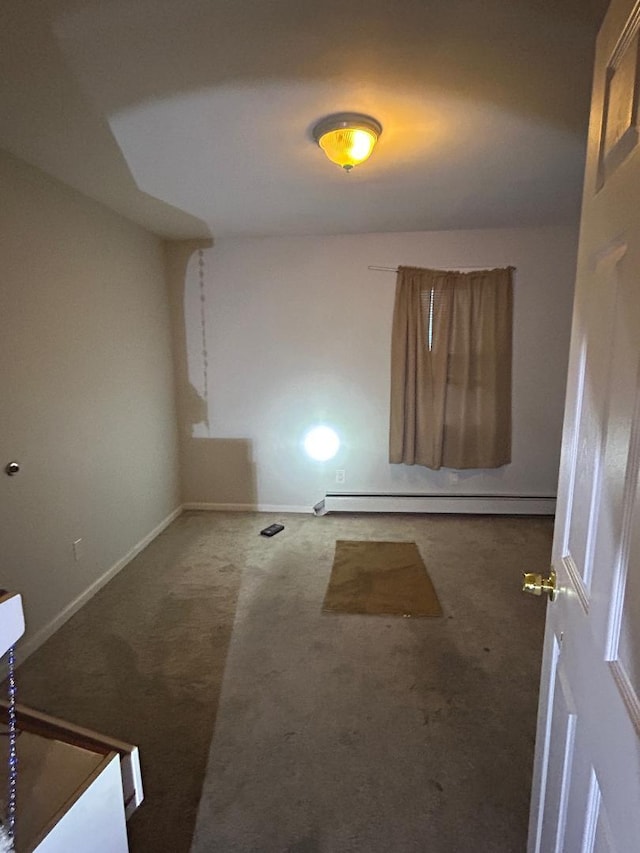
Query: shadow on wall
[
  {"x": 219, "y": 470},
  {"x": 214, "y": 470}
]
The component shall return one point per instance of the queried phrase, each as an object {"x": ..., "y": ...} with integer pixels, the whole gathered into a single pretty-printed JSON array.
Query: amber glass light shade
[{"x": 347, "y": 139}]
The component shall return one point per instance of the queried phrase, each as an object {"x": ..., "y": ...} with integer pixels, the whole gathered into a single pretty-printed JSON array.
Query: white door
[{"x": 586, "y": 783}]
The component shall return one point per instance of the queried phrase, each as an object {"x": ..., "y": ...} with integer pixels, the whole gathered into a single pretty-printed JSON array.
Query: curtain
[{"x": 451, "y": 368}]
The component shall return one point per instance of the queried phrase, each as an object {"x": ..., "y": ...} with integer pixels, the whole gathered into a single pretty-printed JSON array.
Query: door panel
[
  {"x": 593, "y": 403},
  {"x": 560, "y": 764},
  {"x": 597, "y": 836},
  {"x": 625, "y": 640}
]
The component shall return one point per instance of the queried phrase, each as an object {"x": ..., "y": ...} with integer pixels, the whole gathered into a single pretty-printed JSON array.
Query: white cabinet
[{"x": 75, "y": 787}]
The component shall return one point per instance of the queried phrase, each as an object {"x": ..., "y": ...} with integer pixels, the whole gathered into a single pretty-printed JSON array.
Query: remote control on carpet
[{"x": 272, "y": 529}]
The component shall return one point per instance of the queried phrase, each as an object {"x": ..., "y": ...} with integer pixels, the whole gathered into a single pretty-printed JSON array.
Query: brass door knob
[{"x": 536, "y": 584}]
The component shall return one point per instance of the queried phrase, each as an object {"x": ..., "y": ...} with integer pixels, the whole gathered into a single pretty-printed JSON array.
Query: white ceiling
[{"x": 193, "y": 117}]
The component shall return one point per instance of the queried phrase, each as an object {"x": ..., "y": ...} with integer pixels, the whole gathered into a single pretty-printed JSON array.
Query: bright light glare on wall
[{"x": 321, "y": 443}]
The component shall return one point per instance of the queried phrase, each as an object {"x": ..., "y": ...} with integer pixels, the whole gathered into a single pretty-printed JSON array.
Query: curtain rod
[{"x": 454, "y": 268}]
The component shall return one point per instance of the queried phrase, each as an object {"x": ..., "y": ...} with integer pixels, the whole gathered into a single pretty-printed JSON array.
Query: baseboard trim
[
  {"x": 28, "y": 647},
  {"x": 443, "y": 504},
  {"x": 215, "y": 507}
]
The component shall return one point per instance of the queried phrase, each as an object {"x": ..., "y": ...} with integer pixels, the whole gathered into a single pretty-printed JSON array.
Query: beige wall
[
  {"x": 297, "y": 332},
  {"x": 86, "y": 392}
]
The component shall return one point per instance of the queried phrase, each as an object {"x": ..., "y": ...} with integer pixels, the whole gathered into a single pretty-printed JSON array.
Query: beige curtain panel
[{"x": 451, "y": 368}]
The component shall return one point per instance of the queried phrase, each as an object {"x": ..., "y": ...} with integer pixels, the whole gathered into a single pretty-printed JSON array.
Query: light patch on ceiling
[
  {"x": 242, "y": 159},
  {"x": 194, "y": 118}
]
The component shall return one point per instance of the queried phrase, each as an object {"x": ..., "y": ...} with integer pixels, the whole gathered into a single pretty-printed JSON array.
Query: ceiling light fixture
[{"x": 347, "y": 138}]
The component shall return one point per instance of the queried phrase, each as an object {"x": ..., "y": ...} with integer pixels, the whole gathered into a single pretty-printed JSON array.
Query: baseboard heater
[{"x": 434, "y": 503}]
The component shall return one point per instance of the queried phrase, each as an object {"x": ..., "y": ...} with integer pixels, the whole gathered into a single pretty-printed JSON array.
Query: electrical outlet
[
  {"x": 340, "y": 474},
  {"x": 78, "y": 550}
]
